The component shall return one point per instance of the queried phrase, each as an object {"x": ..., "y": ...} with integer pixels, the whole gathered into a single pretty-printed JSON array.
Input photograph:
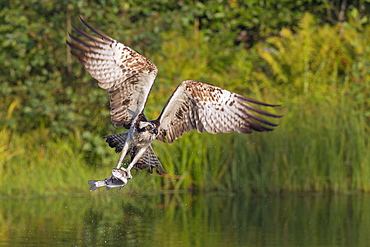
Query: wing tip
[
  {"x": 256, "y": 101},
  {"x": 249, "y": 107},
  {"x": 96, "y": 31}
]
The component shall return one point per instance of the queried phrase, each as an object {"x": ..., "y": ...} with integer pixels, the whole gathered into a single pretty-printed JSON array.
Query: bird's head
[{"x": 148, "y": 127}]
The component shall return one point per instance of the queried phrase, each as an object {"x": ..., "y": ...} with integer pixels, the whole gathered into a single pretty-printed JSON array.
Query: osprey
[{"x": 128, "y": 76}]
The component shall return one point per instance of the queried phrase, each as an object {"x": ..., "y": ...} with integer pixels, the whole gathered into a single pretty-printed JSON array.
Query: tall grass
[
  {"x": 35, "y": 163},
  {"x": 316, "y": 148}
]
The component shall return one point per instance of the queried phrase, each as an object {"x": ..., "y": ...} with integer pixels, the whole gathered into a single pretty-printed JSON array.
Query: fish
[
  {"x": 120, "y": 174},
  {"x": 111, "y": 182}
]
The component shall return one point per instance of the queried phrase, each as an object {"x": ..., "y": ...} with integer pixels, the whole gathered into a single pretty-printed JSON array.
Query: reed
[
  {"x": 36, "y": 163},
  {"x": 321, "y": 148}
]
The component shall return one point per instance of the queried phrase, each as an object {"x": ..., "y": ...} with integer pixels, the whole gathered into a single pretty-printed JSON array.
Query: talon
[
  {"x": 120, "y": 174},
  {"x": 128, "y": 175}
]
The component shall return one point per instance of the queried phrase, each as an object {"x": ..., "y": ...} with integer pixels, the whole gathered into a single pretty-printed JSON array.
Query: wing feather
[
  {"x": 204, "y": 107},
  {"x": 127, "y": 75}
]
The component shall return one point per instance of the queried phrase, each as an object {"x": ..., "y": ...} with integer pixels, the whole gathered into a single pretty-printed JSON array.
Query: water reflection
[{"x": 115, "y": 218}]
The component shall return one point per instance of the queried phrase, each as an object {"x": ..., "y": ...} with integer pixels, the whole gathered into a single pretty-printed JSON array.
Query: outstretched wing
[
  {"x": 126, "y": 74},
  {"x": 204, "y": 107}
]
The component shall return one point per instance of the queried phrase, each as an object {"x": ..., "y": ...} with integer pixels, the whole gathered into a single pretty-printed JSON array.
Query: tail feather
[
  {"x": 148, "y": 161},
  {"x": 116, "y": 141}
]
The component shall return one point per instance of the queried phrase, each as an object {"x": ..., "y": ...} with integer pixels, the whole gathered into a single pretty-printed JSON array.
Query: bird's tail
[
  {"x": 116, "y": 141},
  {"x": 148, "y": 161}
]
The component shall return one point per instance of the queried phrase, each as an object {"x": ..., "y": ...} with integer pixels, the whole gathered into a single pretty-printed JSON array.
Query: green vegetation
[{"x": 50, "y": 136}]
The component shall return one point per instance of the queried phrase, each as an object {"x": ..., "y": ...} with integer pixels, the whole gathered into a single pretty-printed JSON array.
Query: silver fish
[
  {"x": 120, "y": 174},
  {"x": 111, "y": 182}
]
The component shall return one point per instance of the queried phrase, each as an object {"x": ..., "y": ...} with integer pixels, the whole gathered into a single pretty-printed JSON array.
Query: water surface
[{"x": 115, "y": 218}]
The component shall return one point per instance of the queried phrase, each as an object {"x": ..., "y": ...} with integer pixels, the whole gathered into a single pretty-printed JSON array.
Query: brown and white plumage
[
  {"x": 128, "y": 77},
  {"x": 126, "y": 74},
  {"x": 204, "y": 107}
]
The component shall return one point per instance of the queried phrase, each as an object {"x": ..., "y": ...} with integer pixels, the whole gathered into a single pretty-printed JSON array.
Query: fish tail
[{"x": 95, "y": 184}]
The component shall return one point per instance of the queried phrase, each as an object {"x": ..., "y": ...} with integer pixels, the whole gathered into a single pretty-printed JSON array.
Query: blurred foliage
[
  {"x": 312, "y": 57},
  {"x": 42, "y": 84}
]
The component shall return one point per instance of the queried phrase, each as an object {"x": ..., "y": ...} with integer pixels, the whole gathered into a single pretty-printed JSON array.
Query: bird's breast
[{"x": 143, "y": 138}]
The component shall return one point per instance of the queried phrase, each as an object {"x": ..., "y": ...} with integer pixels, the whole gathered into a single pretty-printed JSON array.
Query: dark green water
[{"x": 116, "y": 219}]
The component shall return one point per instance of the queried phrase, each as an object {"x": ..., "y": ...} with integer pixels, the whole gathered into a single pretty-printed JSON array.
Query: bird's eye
[{"x": 147, "y": 127}]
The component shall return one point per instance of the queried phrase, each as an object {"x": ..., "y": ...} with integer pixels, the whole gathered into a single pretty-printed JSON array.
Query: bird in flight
[{"x": 128, "y": 77}]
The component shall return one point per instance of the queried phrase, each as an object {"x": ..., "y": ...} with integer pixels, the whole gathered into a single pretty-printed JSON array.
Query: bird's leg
[
  {"x": 133, "y": 162},
  {"x": 123, "y": 154}
]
